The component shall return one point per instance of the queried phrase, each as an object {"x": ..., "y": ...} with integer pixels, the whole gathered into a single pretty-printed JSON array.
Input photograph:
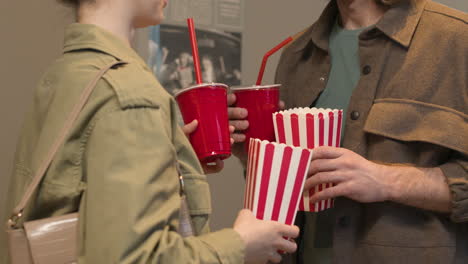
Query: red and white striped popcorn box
[
  {"x": 310, "y": 128},
  {"x": 275, "y": 179}
]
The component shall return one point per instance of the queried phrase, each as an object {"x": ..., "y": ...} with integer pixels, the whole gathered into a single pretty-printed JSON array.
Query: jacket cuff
[
  {"x": 457, "y": 179},
  {"x": 228, "y": 244}
]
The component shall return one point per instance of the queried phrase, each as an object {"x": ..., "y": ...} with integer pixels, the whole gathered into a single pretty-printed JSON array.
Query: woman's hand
[
  {"x": 208, "y": 168},
  {"x": 263, "y": 239},
  {"x": 190, "y": 127}
]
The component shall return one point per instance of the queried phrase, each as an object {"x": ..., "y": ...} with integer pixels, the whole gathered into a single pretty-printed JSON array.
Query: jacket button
[
  {"x": 355, "y": 115},
  {"x": 344, "y": 221},
  {"x": 366, "y": 70}
]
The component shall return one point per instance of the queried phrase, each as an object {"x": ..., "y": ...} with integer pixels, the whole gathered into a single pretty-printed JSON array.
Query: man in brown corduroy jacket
[{"x": 399, "y": 69}]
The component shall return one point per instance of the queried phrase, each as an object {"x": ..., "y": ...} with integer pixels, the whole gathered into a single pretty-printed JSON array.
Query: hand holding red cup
[
  {"x": 239, "y": 119},
  {"x": 207, "y": 103},
  {"x": 258, "y": 102}
]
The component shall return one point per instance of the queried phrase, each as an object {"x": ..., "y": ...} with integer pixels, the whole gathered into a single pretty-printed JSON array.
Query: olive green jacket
[
  {"x": 117, "y": 166},
  {"x": 410, "y": 106}
]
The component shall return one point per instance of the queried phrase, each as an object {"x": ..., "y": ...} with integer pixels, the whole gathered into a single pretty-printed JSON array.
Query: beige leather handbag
[{"x": 54, "y": 240}]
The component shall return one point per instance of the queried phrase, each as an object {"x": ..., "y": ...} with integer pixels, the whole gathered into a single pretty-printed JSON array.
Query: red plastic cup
[
  {"x": 208, "y": 104},
  {"x": 261, "y": 101}
]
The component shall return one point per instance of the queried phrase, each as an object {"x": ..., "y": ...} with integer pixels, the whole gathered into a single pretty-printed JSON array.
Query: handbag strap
[{"x": 17, "y": 212}]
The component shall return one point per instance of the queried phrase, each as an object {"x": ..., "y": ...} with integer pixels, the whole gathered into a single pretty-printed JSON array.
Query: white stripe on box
[
  {"x": 287, "y": 129},
  {"x": 293, "y": 167},
  {"x": 273, "y": 184},
  {"x": 275, "y": 126},
  {"x": 326, "y": 129},
  {"x": 258, "y": 176},
  {"x": 303, "y": 183},
  {"x": 316, "y": 130},
  {"x": 247, "y": 193},
  {"x": 335, "y": 127},
  {"x": 255, "y": 145},
  {"x": 302, "y": 130}
]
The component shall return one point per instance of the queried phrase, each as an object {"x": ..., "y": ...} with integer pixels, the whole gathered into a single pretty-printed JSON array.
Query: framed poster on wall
[
  {"x": 219, "y": 25},
  {"x": 170, "y": 56}
]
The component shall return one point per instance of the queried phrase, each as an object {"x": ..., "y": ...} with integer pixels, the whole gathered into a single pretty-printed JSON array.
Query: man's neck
[
  {"x": 355, "y": 14},
  {"x": 109, "y": 17}
]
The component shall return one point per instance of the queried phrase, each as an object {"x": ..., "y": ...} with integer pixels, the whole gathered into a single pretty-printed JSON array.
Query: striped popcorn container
[
  {"x": 275, "y": 178},
  {"x": 309, "y": 128}
]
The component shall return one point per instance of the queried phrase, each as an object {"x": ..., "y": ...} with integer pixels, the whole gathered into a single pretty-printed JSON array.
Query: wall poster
[{"x": 219, "y": 25}]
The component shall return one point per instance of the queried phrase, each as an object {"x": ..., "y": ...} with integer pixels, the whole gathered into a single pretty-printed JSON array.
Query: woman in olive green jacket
[{"x": 118, "y": 165}]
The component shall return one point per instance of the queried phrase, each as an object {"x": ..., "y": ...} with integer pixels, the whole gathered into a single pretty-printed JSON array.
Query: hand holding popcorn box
[
  {"x": 275, "y": 178},
  {"x": 309, "y": 128}
]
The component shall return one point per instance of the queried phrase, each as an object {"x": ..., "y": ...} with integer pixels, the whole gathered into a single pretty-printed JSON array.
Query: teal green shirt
[
  {"x": 344, "y": 76},
  {"x": 345, "y": 69}
]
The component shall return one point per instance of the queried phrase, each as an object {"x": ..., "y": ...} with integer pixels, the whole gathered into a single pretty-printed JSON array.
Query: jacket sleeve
[
  {"x": 130, "y": 210},
  {"x": 456, "y": 173},
  {"x": 412, "y": 121}
]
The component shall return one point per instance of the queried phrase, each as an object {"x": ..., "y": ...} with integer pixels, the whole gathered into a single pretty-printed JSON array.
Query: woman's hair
[
  {"x": 69, "y": 2},
  {"x": 74, "y": 3},
  {"x": 388, "y": 2}
]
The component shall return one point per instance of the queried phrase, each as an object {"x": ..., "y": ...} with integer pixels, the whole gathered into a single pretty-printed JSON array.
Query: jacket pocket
[
  {"x": 198, "y": 194},
  {"x": 409, "y": 120},
  {"x": 199, "y": 201}
]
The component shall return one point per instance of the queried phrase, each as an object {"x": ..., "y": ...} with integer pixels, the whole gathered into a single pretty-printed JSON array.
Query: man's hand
[
  {"x": 365, "y": 181},
  {"x": 237, "y": 119},
  {"x": 354, "y": 177},
  {"x": 208, "y": 168}
]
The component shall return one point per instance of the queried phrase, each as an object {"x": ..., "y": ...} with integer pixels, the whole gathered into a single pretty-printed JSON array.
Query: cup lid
[
  {"x": 255, "y": 87},
  {"x": 200, "y": 86}
]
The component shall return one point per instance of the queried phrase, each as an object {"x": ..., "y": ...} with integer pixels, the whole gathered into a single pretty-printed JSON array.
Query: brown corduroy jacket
[{"x": 410, "y": 106}]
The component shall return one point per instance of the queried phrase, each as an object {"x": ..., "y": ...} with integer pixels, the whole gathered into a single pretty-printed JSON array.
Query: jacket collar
[
  {"x": 398, "y": 23},
  {"x": 319, "y": 32},
  {"x": 87, "y": 36}
]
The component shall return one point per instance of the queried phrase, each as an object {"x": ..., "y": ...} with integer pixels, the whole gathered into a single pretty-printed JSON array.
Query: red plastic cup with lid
[
  {"x": 261, "y": 101},
  {"x": 207, "y": 103}
]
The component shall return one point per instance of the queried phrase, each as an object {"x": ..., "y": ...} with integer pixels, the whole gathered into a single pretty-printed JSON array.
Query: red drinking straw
[
  {"x": 268, "y": 54},
  {"x": 196, "y": 58}
]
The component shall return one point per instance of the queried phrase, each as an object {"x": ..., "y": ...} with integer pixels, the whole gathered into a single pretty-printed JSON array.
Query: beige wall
[{"x": 31, "y": 37}]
